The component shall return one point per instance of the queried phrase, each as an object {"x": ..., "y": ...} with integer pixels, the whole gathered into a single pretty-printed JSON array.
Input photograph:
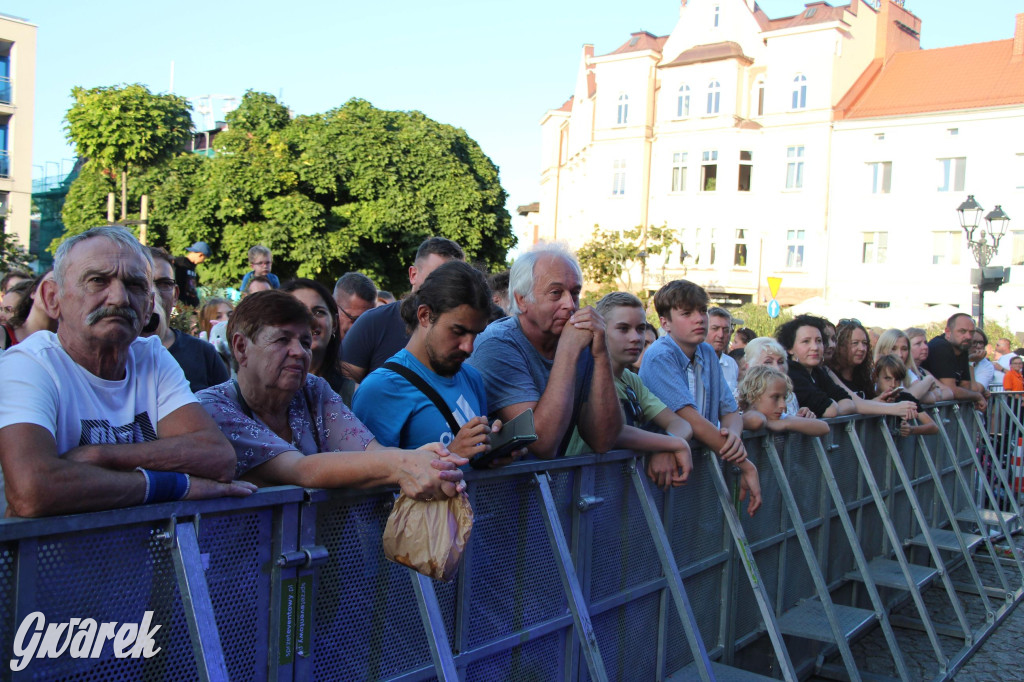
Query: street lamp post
[{"x": 984, "y": 248}]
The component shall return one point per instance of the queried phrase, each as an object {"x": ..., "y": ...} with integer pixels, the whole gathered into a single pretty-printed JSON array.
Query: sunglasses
[
  {"x": 632, "y": 406},
  {"x": 850, "y": 320}
]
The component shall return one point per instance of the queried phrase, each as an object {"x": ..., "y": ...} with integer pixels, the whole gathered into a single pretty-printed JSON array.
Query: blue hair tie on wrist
[{"x": 165, "y": 486}]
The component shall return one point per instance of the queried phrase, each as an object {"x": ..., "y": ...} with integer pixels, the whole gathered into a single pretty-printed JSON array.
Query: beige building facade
[
  {"x": 17, "y": 96},
  {"x": 723, "y": 131}
]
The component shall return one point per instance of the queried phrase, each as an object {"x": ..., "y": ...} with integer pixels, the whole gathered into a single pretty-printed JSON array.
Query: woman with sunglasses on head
[{"x": 802, "y": 339}]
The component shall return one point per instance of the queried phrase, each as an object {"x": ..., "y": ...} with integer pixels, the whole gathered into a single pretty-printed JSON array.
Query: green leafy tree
[
  {"x": 608, "y": 258},
  {"x": 755, "y": 316},
  {"x": 123, "y": 129},
  {"x": 356, "y": 188},
  {"x": 13, "y": 255}
]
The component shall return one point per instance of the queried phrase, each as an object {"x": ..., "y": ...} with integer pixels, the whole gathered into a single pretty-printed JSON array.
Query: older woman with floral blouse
[{"x": 288, "y": 427}]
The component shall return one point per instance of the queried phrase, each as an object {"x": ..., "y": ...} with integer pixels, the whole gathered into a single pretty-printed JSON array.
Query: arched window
[
  {"x": 800, "y": 91},
  {"x": 622, "y": 115},
  {"x": 683, "y": 110},
  {"x": 714, "y": 96}
]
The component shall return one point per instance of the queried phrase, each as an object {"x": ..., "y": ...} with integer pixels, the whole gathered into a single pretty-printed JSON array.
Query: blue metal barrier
[{"x": 564, "y": 576}]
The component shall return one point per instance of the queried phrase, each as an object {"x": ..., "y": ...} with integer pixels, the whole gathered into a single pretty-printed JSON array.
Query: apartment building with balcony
[{"x": 17, "y": 95}]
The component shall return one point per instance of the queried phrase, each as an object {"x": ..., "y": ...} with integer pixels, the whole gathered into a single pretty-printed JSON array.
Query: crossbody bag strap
[{"x": 427, "y": 390}]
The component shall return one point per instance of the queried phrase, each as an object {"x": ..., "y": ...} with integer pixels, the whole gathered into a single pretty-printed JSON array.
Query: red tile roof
[
  {"x": 709, "y": 53},
  {"x": 567, "y": 106},
  {"x": 949, "y": 78},
  {"x": 820, "y": 13},
  {"x": 641, "y": 40}
]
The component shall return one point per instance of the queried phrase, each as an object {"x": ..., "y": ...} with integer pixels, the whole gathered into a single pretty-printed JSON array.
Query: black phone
[{"x": 516, "y": 433}]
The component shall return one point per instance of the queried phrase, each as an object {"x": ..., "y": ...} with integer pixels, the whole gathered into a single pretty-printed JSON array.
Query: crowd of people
[{"x": 302, "y": 385}]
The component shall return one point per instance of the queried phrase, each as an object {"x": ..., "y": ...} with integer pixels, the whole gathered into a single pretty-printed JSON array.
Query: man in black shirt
[
  {"x": 380, "y": 333},
  {"x": 185, "y": 273},
  {"x": 948, "y": 360}
]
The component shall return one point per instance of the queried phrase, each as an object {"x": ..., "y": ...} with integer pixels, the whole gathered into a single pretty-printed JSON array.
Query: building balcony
[
  {"x": 6, "y": 91},
  {"x": 5, "y": 164}
]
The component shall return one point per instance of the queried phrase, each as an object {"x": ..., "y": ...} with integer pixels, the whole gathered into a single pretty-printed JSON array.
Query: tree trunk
[{"x": 124, "y": 194}]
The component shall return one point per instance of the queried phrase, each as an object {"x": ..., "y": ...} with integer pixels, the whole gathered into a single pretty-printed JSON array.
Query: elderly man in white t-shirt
[{"x": 93, "y": 417}]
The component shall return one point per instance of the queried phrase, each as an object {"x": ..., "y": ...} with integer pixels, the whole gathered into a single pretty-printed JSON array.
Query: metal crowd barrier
[{"x": 577, "y": 569}]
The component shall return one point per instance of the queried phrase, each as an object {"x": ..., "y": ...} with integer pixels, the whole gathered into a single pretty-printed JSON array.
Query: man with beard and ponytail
[
  {"x": 93, "y": 417},
  {"x": 444, "y": 317}
]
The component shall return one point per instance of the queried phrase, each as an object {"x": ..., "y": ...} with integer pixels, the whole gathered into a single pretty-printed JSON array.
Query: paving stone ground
[{"x": 1001, "y": 657}]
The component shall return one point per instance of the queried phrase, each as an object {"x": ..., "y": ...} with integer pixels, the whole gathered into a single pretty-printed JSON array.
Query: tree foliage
[
  {"x": 124, "y": 129},
  {"x": 755, "y": 316},
  {"x": 13, "y": 255},
  {"x": 608, "y": 258},
  {"x": 356, "y": 188}
]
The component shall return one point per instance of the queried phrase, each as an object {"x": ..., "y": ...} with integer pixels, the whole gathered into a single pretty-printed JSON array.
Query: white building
[
  {"x": 17, "y": 96},
  {"x": 760, "y": 141},
  {"x": 910, "y": 143}
]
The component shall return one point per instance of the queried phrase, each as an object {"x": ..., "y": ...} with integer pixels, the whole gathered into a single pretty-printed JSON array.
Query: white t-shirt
[
  {"x": 42, "y": 385},
  {"x": 730, "y": 370}
]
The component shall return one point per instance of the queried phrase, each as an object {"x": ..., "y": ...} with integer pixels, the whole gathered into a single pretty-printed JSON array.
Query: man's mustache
[{"x": 124, "y": 312}]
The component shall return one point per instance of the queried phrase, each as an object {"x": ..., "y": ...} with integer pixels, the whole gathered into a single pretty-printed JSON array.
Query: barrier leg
[
  {"x": 750, "y": 567},
  {"x": 890, "y": 531},
  {"x": 926, "y": 531},
  {"x": 1000, "y": 475},
  {"x": 195, "y": 599},
  {"x": 860, "y": 560},
  {"x": 433, "y": 627},
  {"x": 986, "y": 488},
  {"x": 571, "y": 583},
  {"x": 671, "y": 570},
  {"x": 840, "y": 636}
]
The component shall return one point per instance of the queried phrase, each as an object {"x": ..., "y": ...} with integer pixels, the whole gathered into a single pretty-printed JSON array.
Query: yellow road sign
[{"x": 773, "y": 285}]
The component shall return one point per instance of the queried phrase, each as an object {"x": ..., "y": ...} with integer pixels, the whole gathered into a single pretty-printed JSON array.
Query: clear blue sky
[{"x": 490, "y": 67}]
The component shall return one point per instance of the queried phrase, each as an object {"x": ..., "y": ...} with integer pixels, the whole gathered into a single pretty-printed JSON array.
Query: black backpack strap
[{"x": 427, "y": 390}]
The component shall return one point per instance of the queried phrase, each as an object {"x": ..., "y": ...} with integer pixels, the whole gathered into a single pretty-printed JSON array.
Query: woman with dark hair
[
  {"x": 851, "y": 360},
  {"x": 289, "y": 428},
  {"x": 326, "y": 340},
  {"x": 802, "y": 339},
  {"x": 28, "y": 317}
]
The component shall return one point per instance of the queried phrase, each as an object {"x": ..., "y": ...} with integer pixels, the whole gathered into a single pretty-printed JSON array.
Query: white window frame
[
  {"x": 618, "y": 177},
  {"x": 879, "y": 246},
  {"x": 622, "y": 110},
  {"x": 748, "y": 163},
  {"x": 683, "y": 102},
  {"x": 799, "y": 100},
  {"x": 795, "y": 155},
  {"x": 742, "y": 241},
  {"x": 709, "y": 159},
  {"x": 881, "y": 177},
  {"x": 714, "y": 97},
  {"x": 951, "y": 247},
  {"x": 952, "y": 173},
  {"x": 678, "y": 183},
  {"x": 796, "y": 249}
]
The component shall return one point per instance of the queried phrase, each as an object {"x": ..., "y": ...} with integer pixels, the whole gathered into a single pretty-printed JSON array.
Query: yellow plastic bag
[{"x": 429, "y": 536}]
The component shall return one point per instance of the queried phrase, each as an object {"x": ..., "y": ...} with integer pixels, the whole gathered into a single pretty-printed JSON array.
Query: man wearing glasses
[
  {"x": 199, "y": 360},
  {"x": 355, "y": 293},
  {"x": 670, "y": 462},
  {"x": 261, "y": 260}
]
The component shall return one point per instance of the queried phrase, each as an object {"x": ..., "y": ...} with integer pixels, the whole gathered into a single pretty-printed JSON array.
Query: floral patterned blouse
[{"x": 319, "y": 420}]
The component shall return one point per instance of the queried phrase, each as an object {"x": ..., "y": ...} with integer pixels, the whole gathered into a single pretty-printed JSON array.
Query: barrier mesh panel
[
  {"x": 872, "y": 533},
  {"x": 798, "y": 583},
  {"x": 804, "y": 475},
  {"x": 876, "y": 450},
  {"x": 697, "y": 527},
  {"x": 539, "y": 659},
  {"x": 366, "y": 624},
  {"x": 704, "y": 591},
  {"x": 623, "y": 552},
  {"x": 748, "y": 617},
  {"x": 113, "y": 575},
  {"x": 7, "y": 592},
  {"x": 840, "y": 555},
  {"x": 624, "y": 635},
  {"x": 237, "y": 547},
  {"x": 902, "y": 516},
  {"x": 515, "y": 580},
  {"x": 769, "y": 518},
  {"x": 845, "y": 466}
]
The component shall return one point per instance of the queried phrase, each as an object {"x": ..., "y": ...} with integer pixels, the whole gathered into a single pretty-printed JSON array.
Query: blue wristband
[{"x": 165, "y": 486}]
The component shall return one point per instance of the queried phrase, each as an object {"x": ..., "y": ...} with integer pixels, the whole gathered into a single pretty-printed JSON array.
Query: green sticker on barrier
[
  {"x": 304, "y": 616},
  {"x": 286, "y": 650}
]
